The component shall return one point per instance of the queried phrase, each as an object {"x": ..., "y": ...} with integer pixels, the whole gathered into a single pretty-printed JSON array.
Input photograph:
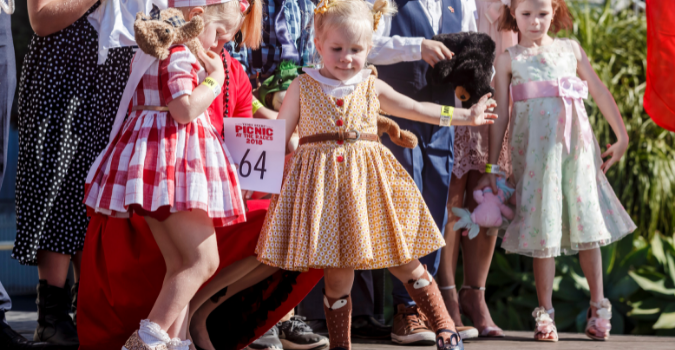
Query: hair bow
[
  {"x": 506, "y": 2},
  {"x": 175, "y": 21}
]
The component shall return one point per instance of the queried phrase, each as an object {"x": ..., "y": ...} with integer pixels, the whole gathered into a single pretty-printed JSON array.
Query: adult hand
[
  {"x": 478, "y": 114},
  {"x": 213, "y": 66},
  {"x": 434, "y": 51},
  {"x": 616, "y": 151}
]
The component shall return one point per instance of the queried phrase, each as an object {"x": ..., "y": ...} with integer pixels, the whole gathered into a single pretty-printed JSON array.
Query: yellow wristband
[
  {"x": 446, "y": 115},
  {"x": 213, "y": 85},
  {"x": 255, "y": 106},
  {"x": 492, "y": 168}
]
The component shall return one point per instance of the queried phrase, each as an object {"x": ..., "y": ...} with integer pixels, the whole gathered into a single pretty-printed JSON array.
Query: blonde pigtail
[{"x": 382, "y": 7}]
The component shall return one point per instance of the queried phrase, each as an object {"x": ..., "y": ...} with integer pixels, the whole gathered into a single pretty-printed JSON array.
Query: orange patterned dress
[{"x": 348, "y": 205}]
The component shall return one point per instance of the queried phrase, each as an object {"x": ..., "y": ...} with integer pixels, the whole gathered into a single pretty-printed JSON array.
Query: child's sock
[
  {"x": 178, "y": 344},
  {"x": 152, "y": 334},
  {"x": 338, "y": 319},
  {"x": 426, "y": 295}
]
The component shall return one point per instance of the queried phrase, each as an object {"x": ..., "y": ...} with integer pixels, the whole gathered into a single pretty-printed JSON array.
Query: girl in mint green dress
[{"x": 564, "y": 203}]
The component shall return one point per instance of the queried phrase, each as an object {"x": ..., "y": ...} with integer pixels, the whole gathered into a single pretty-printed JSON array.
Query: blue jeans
[{"x": 430, "y": 166}]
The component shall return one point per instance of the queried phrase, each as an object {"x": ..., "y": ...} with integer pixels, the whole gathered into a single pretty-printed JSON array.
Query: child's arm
[
  {"x": 403, "y": 106},
  {"x": 603, "y": 98},
  {"x": 186, "y": 108},
  {"x": 498, "y": 129},
  {"x": 290, "y": 109}
]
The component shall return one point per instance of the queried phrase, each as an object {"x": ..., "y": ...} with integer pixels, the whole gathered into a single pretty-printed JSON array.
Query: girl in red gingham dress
[{"x": 167, "y": 162}]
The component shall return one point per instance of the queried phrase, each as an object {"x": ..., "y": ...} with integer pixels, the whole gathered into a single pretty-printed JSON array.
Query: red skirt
[{"x": 123, "y": 270}]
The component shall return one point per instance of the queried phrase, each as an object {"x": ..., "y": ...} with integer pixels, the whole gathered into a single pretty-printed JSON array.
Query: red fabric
[
  {"x": 659, "y": 101},
  {"x": 179, "y": 74},
  {"x": 123, "y": 270},
  {"x": 240, "y": 98}
]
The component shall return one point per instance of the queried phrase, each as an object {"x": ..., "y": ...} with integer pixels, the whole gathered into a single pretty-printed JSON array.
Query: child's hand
[
  {"x": 478, "y": 114},
  {"x": 213, "y": 66},
  {"x": 617, "y": 151},
  {"x": 488, "y": 180}
]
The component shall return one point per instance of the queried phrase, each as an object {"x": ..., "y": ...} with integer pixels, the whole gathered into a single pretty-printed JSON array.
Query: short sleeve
[{"x": 179, "y": 73}]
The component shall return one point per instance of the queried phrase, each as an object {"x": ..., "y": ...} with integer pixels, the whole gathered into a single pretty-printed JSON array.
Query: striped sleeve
[{"x": 179, "y": 73}]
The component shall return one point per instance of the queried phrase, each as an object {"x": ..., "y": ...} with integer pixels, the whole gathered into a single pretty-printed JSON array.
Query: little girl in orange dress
[{"x": 346, "y": 203}]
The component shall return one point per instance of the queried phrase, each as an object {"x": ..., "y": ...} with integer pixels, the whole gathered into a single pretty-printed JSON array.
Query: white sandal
[
  {"x": 601, "y": 324},
  {"x": 544, "y": 324}
]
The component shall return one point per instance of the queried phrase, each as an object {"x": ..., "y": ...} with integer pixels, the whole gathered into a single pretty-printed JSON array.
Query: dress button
[
  {"x": 340, "y": 159},
  {"x": 339, "y": 142},
  {"x": 340, "y": 102},
  {"x": 339, "y": 122}
]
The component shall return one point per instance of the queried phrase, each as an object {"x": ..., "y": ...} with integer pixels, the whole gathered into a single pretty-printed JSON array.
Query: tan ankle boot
[
  {"x": 424, "y": 291},
  {"x": 338, "y": 319}
]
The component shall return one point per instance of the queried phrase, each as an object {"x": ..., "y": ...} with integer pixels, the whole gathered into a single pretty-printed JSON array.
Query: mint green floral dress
[{"x": 564, "y": 202}]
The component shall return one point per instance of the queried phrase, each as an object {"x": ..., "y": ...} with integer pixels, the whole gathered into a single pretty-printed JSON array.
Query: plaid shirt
[{"x": 301, "y": 29}]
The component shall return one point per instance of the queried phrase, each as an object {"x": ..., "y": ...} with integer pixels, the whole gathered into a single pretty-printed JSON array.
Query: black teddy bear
[{"x": 470, "y": 70}]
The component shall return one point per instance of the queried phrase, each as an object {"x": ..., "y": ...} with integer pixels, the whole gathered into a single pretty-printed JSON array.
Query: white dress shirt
[{"x": 394, "y": 49}]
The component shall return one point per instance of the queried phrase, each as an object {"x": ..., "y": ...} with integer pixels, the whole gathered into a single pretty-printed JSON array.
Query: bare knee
[{"x": 338, "y": 282}]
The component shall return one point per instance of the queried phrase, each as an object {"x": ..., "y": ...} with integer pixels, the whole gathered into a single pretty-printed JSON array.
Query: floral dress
[
  {"x": 345, "y": 204},
  {"x": 564, "y": 202}
]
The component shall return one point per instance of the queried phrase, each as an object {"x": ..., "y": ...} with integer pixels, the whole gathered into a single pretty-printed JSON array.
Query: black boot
[
  {"x": 54, "y": 323},
  {"x": 73, "y": 305},
  {"x": 11, "y": 340}
]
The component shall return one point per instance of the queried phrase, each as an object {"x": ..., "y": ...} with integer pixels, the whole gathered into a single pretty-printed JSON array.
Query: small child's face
[
  {"x": 534, "y": 18},
  {"x": 343, "y": 52},
  {"x": 217, "y": 33}
]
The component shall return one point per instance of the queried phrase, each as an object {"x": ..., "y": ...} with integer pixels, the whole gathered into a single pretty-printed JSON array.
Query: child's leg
[
  {"x": 544, "y": 273},
  {"x": 450, "y": 253},
  {"x": 188, "y": 243},
  {"x": 338, "y": 306},
  {"x": 224, "y": 278},
  {"x": 423, "y": 290},
  {"x": 591, "y": 264},
  {"x": 198, "y": 321}
]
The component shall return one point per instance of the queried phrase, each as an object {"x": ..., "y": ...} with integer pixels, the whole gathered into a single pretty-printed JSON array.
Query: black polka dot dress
[{"x": 67, "y": 104}]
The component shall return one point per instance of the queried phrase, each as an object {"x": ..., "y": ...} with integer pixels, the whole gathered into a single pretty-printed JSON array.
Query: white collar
[{"x": 355, "y": 80}]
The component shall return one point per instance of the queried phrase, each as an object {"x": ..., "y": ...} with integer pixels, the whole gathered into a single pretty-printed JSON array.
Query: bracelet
[
  {"x": 492, "y": 168},
  {"x": 255, "y": 105},
  {"x": 446, "y": 115},
  {"x": 213, "y": 85}
]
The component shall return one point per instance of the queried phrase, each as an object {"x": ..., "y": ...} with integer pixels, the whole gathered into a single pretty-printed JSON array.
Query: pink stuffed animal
[{"x": 489, "y": 211}]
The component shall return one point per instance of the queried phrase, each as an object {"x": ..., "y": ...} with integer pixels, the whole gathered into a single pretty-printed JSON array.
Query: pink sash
[{"x": 572, "y": 90}]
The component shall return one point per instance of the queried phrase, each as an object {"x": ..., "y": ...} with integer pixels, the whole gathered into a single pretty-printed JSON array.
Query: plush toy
[
  {"x": 160, "y": 30},
  {"x": 470, "y": 70},
  {"x": 489, "y": 211}
]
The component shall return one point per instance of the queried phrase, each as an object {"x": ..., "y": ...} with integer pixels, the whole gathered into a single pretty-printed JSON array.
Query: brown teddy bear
[
  {"x": 156, "y": 33},
  {"x": 403, "y": 138}
]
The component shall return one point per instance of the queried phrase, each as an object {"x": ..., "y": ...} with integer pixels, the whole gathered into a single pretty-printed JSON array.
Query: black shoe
[
  {"x": 297, "y": 335},
  {"x": 73, "y": 301},
  {"x": 318, "y": 327},
  {"x": 367, "y": 327},
  {"x": 268, "y": 341},
  {"x": 11, "y": 340},
  {"x": 54, "y": 323}
]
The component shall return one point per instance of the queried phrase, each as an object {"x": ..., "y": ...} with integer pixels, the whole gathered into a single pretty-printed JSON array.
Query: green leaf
[
  {"x": 580, "y": 281},
  {"x": 502, "y": 264},
  {"x": 657, "y": 249},
  {"x": 667, "y": 318},
  {"x": 618, "y": 323},
  {"x": 652, "y": 283},
  {"x": 647, "y": 309},
  {"x": 621, "y": 289}
]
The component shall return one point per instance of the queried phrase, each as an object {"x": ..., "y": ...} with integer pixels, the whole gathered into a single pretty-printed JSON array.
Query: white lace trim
[
  {"x": 178, "y": 344},
  {"x": 337, "y": 88},
  {"x": 152, "y": 334}
]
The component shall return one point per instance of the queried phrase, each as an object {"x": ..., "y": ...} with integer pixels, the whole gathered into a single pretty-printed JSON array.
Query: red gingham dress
[{"x": 156, "y": 162}]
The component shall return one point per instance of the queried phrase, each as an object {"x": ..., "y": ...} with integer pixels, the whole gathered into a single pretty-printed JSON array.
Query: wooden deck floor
[{"x": 25, "y": 323}]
